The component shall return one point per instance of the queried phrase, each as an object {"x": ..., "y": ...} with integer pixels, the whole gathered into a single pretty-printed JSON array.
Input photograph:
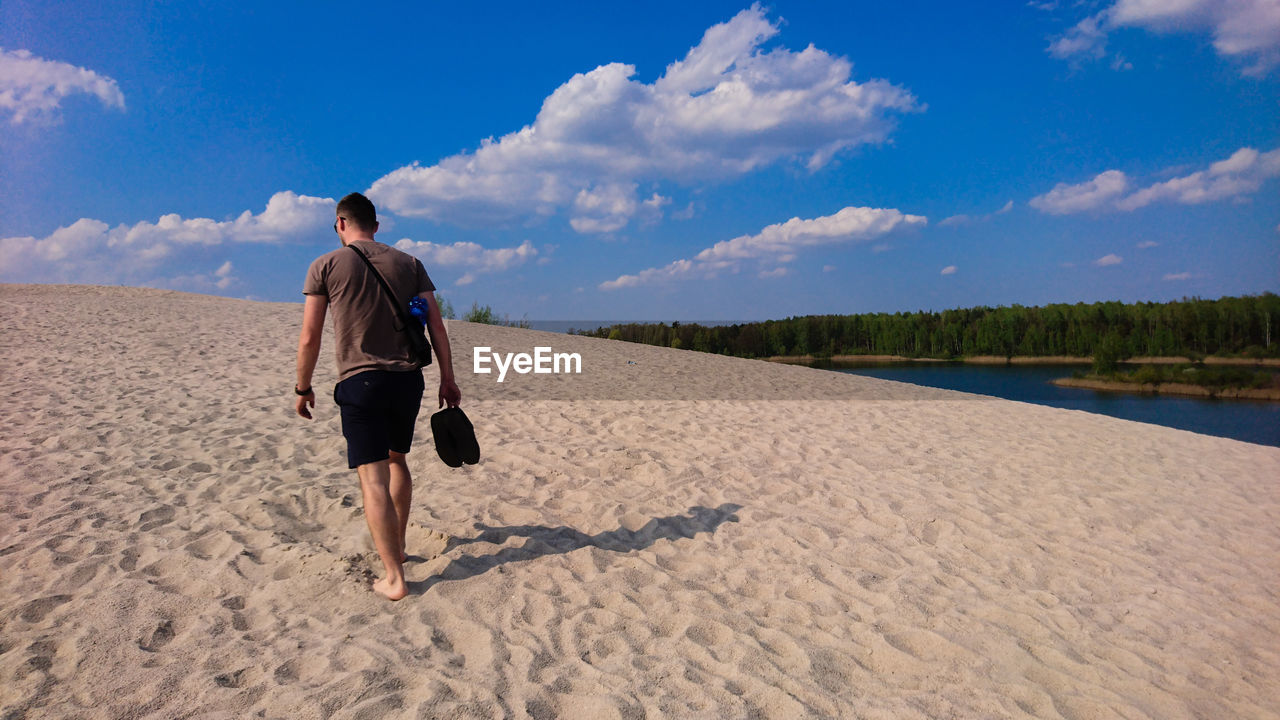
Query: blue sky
[{"x": 678, "y": 161}]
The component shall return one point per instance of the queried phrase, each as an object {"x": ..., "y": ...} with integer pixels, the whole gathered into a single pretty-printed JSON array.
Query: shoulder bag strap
[{"x": 400, "y": 311}]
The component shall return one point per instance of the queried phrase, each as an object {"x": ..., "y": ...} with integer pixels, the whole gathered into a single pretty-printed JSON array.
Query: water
[{"x": 1251, "y": 421}]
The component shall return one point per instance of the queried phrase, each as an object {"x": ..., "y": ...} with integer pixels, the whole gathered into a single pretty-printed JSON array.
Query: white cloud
[
  {"x": 651, "y": 209},
  {"x": 728, "y": 108},
  {"x": 962, "y": 219},
  {"x": 32, "y": 87},
  {"x": 223, "y": 274},
  {"x": 1099, "y": 191},
  {"x": 1106, "y": 260},
  {"x": 1236, "y": 177},
  {"x": 1086, "y": 39},
  {"x": 220, "y": 279},
  {"x": 604, "y": 209},
  {"x": 1245, "y": 30},
  {"x": 288, "y": 214},
  {"x": 89, "y": 250},
  {"x": 949, "y": 270},
  {"x": 474, "y": 258},
  {"x": 776, "y": 272},
  {"x": 685, "y": 214},
  {"x": 828, "y": 268},
  {"x": 1145, "y": 244},
  {"x": 776, "y": 244},
  {"x": 1178, "y": 276},
  {"x": 1241, "y": 174},
  {"x": 1119, "y": 63}
]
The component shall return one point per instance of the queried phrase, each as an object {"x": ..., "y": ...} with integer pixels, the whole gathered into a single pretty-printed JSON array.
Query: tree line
[{"x": 1230, "y": 326}]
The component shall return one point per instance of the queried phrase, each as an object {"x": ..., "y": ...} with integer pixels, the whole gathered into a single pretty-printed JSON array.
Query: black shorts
[{"x": 379, "y": 409}]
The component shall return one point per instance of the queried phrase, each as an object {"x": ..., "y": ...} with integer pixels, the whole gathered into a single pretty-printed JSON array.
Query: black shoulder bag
[{"x": 419, "y": 346}]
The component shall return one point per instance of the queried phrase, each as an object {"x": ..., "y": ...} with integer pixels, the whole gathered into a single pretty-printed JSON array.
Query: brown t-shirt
[{"x": 367, "y": 329}]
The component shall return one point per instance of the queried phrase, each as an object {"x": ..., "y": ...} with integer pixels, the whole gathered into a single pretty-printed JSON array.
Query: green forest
[{"x": 1230, "y": 326}]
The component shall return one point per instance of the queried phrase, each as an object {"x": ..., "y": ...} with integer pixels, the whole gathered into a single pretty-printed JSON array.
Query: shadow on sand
[{"x": 544, "y": 540}]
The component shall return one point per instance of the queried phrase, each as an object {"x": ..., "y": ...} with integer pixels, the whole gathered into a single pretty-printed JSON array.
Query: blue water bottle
[{"x": 419, "y": 309}]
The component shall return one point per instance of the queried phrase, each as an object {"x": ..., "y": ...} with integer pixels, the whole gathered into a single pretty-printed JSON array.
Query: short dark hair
[{"x": 357, "y": 209}]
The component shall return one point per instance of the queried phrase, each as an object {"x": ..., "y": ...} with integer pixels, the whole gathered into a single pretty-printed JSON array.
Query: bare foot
[{"x": 389, "y": 590}]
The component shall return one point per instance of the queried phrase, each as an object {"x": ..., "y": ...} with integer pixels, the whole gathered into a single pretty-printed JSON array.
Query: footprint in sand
[
  {"x": 154, "y": 518},
  {"x": 708, "y": 633},
  {"x": 830, "y": 670},
  {"x": 84, "y": 572},
  {"x": 40, "y": 659},
  {"x": 159, "y": 637},
  {"x": 286, "y": 673},
  {"x": 231, "y": 680},
  {"x": 35, "y": 610},
  {"x": 235, "y": 604},
  {"x": 426, "y": 544},
  {"x": 935, "y": 530},
  {"x": 439, "y": 640}
]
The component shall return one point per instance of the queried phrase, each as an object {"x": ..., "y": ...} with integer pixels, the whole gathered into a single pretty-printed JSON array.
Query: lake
[{"x": 1251, "y": 421}]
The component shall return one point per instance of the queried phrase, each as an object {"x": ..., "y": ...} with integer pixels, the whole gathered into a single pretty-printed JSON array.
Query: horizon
[
  {"x": 723, "y": 160},
  {"x": 591, "y": 324}
]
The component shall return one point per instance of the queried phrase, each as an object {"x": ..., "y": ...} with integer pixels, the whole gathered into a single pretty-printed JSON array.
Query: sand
[{"x": 667, "y": 535}]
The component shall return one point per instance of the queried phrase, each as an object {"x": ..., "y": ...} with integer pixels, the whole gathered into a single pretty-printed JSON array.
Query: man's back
[{"x": 367, "y": 329}]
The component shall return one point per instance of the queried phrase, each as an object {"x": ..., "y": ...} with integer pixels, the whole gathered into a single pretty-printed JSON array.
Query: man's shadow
[{"x": 544, "y": 540}]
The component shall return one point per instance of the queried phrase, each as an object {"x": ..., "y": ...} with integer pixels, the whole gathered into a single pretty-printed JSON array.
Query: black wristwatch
[{"x": 301, "y": 392}]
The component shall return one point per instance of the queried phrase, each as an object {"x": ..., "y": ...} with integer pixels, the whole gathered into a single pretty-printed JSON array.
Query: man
[{"x": 379, "y": 386}]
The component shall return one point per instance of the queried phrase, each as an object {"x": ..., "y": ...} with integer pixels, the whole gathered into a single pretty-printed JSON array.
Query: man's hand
[
  {"x": 449, "y": 393},
  {"x": 308, "y": 350},
  {"x": 303, "y": 402}
]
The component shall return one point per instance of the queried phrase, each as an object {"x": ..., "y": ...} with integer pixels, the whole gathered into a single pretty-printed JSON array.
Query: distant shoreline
[
  {"x": 1014, "y": 360},
  {"x": 1179, "y": 389},
  {"x": 1182, "y": 389}
]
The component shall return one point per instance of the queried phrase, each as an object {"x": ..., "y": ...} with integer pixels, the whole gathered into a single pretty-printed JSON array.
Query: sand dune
[{"x": 667, "y": 535}]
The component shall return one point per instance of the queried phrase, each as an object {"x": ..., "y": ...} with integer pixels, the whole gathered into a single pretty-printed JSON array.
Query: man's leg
[
  {"x": 380, "y": 514},
  {"x": 401, "y": 496}
]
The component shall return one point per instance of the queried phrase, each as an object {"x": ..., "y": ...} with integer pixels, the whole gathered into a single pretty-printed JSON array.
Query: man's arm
[
  {"x": 449, "y": 392},
  {"x": 309, "y": 350}
]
